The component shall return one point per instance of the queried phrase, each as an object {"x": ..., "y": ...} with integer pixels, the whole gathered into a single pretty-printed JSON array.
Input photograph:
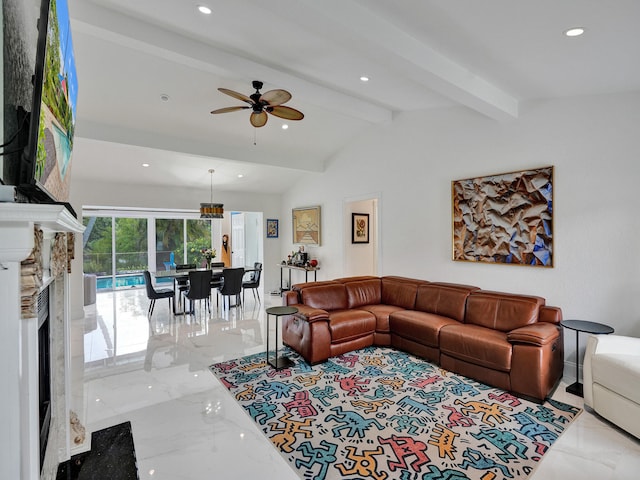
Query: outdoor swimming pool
[{"x": 130, "y": 280}]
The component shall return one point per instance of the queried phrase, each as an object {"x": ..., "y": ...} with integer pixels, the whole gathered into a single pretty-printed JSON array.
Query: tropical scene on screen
[{"x": 58, "y": 107}]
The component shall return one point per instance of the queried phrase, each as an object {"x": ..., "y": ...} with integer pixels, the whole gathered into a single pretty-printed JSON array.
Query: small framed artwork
[
  {"x": 272, "y": 228},
  {"x": 306, "y": 225},
  {"x": 359, "y": 228}
]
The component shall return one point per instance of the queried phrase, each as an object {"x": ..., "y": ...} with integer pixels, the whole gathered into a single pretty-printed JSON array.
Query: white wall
[
  {"x": 594, "y": 144},
  {"x": 128, "y": 195}
]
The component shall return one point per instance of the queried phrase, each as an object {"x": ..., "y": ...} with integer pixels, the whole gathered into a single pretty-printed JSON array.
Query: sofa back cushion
[
  {"x": 399, "y": 292},
  {"x": 503, "y": 313},
  {"x": 447, "y": 301},
  {"x": 331, "y": 296},
  {"x": 366, "y": 292}
]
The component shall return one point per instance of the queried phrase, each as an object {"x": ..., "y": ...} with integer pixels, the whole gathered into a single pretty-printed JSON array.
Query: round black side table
[
  {"x": 278, "y": 362},
  {"x": 587, "y": 327}
]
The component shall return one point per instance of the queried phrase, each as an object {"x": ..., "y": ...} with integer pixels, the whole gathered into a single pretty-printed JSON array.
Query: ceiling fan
[{"x": 263, "y": 103}]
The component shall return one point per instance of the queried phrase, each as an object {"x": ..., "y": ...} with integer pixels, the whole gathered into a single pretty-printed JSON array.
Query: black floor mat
[{"x": 112, "y": 456}]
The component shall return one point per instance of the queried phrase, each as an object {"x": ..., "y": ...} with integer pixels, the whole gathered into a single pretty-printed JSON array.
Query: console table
[
  {"x": 588, "y": 327},
  {"x": 306, "y": 271}
]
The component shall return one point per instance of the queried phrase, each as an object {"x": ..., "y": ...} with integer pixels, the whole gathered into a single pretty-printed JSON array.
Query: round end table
[
  {"x": 587, "y": 327},
  {"x": 278, "y": 362}
]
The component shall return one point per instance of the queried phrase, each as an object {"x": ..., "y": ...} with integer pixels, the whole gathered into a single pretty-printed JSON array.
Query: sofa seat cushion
[
  {"x": 420, "y": 327},
  {"x": 619, "y": 372},
  {"x": 477, "y": 345},
  {"x": 382, "y": 313},
  {"x": 349, "y": 324}
]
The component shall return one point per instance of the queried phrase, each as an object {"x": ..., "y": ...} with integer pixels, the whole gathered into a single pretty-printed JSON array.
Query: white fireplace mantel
[
  {"x": 19, "y": 457},
  {"x": 17, "y": 221}
]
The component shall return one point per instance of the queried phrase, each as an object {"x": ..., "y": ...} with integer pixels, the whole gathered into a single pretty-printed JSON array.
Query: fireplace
[
  {"x": 35, "y": 398},
  {"x": 44, "y": 371}
]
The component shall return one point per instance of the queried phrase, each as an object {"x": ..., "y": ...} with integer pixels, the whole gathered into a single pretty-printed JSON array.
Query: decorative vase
[{"x": 208, "y": 260}]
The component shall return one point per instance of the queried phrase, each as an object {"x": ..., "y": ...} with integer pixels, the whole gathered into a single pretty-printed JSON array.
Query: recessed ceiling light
[
  {"x": 574, "y": 32},
  {"x": 285, "y": 126},
  {"x": 145, "y": 164},
  {"x": 364, "y": 79},
  {"x": 204, "y": 9},
  {"x": 240, "y": 175},
  {"x": 164, "y": 97}
]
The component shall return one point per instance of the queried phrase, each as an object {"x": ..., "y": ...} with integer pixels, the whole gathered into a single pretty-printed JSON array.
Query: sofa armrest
[
  {"x": 549, "y": 314},
  {"x": 540, "y": 333},
  {"x": 311, "y": 314},
  {"x": 290, "y": 297}
]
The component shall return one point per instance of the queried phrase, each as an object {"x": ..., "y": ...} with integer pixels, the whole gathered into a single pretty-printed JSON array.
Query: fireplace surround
[{"x": 20, "y": 456}]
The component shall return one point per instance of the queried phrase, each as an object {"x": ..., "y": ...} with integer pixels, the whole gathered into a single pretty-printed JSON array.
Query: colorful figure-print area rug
[{"x": 384, "y": 414}]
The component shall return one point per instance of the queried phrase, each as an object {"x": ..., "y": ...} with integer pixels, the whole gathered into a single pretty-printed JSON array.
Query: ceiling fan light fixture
[
  {"x": 211, "y": 210},
  {"x": 262, "y": 103}
]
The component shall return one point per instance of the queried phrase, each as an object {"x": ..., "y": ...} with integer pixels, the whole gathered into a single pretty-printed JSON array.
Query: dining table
[{"x": 216, "y": 274}]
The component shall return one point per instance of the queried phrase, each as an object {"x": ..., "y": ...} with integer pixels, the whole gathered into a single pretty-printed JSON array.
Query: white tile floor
[{"x": 186, "y": 425}]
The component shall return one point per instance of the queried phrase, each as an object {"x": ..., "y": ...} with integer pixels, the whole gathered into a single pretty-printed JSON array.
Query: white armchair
[{"x": 612, "y": 379}]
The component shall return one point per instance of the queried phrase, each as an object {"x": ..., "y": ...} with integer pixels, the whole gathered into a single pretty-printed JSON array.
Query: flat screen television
[{"x": 45, "y": 164}]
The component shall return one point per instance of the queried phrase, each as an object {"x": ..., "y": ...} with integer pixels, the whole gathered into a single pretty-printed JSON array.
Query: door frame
[{"x": 375, "y": 235}]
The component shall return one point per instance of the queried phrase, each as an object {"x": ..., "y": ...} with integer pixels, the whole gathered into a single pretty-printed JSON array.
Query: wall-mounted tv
[{"x": 46, "y": 161}]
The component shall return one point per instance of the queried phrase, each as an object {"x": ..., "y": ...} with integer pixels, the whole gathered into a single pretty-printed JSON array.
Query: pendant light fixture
[{"x": 211, "y": 210}]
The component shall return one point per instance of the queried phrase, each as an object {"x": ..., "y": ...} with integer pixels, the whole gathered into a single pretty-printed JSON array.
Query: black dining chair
[
  {"x": 199, "y": 289},
  {"x": 182, "y": 283},
  {"x": 253, "y": 280},
  {"x": 216, "y": 280},
  {"x": 231, "y": 285},
  {"x": 153, "y": 294}
]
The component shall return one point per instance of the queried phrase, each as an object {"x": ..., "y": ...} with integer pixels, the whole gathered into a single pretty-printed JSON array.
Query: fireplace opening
[{"x": 44, "y": 371}]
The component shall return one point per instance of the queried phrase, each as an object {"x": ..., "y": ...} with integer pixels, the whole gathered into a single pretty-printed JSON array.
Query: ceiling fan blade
[
  {"x": 275, "y": 97},
  {"x": 258, "y": 119},
  {"x": 229, "y": 109},
  {"x": 239, "y": 96},
  {"x": 286, "y": 112}
]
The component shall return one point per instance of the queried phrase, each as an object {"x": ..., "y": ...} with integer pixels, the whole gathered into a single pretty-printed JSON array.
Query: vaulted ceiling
[{"x": 488, "y": 56}]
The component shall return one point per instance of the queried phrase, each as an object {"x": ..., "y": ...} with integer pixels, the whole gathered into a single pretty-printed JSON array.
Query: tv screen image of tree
[
  {"x": 504, "y": 218},
  {"x": 58, "y": 107}
]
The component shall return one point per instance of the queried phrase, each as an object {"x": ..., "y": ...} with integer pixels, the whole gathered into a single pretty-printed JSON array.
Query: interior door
[{"x": 237, "y": 239}]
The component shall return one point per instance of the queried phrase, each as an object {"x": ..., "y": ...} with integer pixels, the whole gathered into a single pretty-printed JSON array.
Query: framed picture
[
  {"x": 306, "y": 225},
  {"x": 272, "y": 228},
  {"x": 505, "y": 218},
  {"x": 359, "y": 228}
]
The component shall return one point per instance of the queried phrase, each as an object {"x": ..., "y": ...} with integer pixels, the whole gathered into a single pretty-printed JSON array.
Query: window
[
  {"x": 169, "y": 242},
  {"x": 98, "y": 245},
  {"x": 198, "y": 237}
]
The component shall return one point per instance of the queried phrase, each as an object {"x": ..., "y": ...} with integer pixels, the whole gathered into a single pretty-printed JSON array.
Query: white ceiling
[{"x": 489, "y": 56}]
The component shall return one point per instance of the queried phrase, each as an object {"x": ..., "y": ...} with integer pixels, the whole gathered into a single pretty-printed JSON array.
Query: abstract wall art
[
  {"x": 505, "y": 218},
  {"x": 272, "y": 228},
  {"x": 306, "y": 225}
]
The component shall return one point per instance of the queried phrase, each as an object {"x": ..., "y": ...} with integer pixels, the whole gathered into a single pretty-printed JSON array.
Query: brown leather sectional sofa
[{"x": 513, "y": 342}]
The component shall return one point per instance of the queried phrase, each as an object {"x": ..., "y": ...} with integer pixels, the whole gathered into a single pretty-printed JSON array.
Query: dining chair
[
  {"x": 253, "y": 280},
  {"x": 153, "y": 294},
  {"x": 182, "y": 283},
  {"x": 199, "y": 289},
  {"x": 216, "y": 280},
  {"x": 231, "y": 285}
]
